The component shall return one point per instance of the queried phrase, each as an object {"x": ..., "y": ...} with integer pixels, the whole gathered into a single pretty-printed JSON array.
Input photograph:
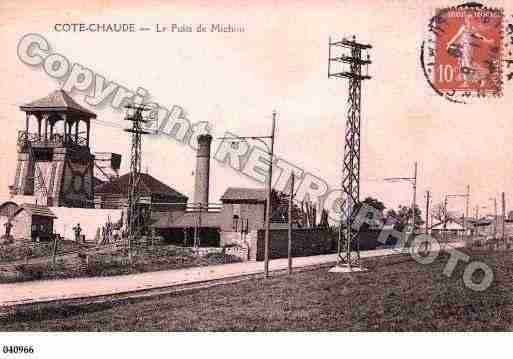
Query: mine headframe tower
[
  {"x": 134, "y": 113},
  {"x": 346, "y": 61}
]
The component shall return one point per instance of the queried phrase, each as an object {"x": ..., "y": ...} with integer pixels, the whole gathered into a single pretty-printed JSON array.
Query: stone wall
[{"x": 305, "y": 242}]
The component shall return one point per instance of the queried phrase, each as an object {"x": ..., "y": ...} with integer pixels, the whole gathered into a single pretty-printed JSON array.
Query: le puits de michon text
[{"x": 108, "y": 27}]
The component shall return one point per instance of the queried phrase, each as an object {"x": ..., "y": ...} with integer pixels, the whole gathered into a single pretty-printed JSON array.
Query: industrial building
[
  {"x": 154, "y": 193},
  {"x": 57, "y": 170}
]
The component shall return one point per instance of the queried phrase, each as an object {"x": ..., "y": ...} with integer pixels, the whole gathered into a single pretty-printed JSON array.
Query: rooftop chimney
[{"x": 201, "y": 185}]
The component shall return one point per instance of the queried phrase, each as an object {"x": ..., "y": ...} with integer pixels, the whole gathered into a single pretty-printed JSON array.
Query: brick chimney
[{"x": 201, "y": 186}]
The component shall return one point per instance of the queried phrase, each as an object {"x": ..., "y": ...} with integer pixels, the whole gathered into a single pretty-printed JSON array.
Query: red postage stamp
[{"x": 465, "y": 52}]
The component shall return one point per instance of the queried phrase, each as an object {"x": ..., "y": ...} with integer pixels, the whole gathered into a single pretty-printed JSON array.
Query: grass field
[
  {"x": 144, "y": 259},
  {"x": 20, "y": 250},
  {"x": 395, "y": 294}
]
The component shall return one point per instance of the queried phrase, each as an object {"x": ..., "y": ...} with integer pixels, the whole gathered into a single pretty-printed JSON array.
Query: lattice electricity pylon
[
  {"x": 348, "y": 246},
  {"x": 134, "y": 114}
]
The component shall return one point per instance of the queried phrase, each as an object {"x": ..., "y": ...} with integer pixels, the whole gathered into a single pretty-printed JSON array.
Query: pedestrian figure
[
  {"x": 104, "y": 235},
  {"x": 77, "y": 229},
  {"x": 8, "y": 227}
]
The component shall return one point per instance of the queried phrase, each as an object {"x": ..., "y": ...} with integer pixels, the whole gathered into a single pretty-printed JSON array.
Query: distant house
[
  {"x": 450, "y": 228},
  {"x": 161, "y": 197},
  {"x": 31, "y": 221},
  {"x": 243, "y": 206}
]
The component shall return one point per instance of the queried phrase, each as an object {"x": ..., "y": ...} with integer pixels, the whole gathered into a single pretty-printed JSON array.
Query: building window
[
  {"x": 236, "y": 210},
  {"x": 235, "y": 223}
]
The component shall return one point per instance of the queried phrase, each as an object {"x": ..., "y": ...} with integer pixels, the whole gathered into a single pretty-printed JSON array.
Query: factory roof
[
  {"x": 58, "y": 100},
  {"x": 36, "y": 210},
  {"x": 148, "y": 185},
  {"x": 235, "y": 194}
]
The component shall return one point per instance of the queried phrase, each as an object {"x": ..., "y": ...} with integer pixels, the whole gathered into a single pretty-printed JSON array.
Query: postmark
[{"x": 462, "y": 55}]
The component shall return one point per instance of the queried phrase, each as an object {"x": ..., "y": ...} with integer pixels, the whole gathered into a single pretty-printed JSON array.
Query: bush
[
  {"x": 221, "y": 258},
  {"x": 6, "y": 240},
  {"x": 33, "y": 271}
]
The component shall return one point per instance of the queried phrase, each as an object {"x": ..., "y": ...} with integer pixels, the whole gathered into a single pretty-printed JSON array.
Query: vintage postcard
[{"x": 255, "y": 166}]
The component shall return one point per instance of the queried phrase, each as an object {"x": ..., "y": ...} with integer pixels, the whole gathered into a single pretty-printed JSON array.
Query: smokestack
[{"x": 201, "y": 185}]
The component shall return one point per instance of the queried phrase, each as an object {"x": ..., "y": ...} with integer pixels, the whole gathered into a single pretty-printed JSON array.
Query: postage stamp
[{"x": 463, "y": 54}]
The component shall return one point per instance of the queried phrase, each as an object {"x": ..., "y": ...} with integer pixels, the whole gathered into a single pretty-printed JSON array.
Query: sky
[{"x": 235, "y": 80}]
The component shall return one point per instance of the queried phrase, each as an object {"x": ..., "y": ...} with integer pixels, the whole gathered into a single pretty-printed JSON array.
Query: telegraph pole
[
  {"x": 291, "y": 204},
  {"x": 268, "y": 214},
  {"x": 494, "y": 217},
  {"x": 466, "y": 196},
  {"x": 494, "y": 199},
  {"x": 269, "y": 197},
  {"x": 445, "y": 221},
  {"x": 477, "y": 217},
  {"x": 467, "y": 204},
  {"x": 503, "y": 197},
  {"x": 413, "y": 181},
  {"x": 348, "y": 248},
  {"x": 414, "y": 204},
  {"x": 428, "y": 197}
]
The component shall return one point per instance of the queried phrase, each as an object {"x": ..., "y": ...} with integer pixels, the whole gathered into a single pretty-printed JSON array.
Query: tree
[
  {"x": 324, "y": 219},
  {"x": 309, "y": 212},
  {"x": 404, "y": 214},
  {"x": 280, "y": 209},
  {"x": 438, "y": 212},
  {"x": 374, "y": 203},
  {"x": 373, "y": 220},
  {"x": 391, "y": 213}
]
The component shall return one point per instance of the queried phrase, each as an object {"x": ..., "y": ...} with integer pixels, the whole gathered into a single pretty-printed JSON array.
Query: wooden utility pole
[
  {"x": 467, "y": 204},
  {"x": 268, "y": 207},
  {"x": 413, "y": 181},
  {"x": 444, "y": 235},
  {"x": 269, "y": 198},
  {"x": 503, "y": 216},
  {"x": 414, "y": 203},
  {"x": 195, "y": 240},
  {"x": 477, "y": 221},
  {"x": 54, "y": 252},
  {"x": 428, "y": 197},
  {"x": 495, "y": 218},
  {"x": 291, "y": 204}
]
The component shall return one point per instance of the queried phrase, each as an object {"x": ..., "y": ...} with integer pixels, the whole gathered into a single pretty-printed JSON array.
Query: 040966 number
[{"x": 18, "y": 349}]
